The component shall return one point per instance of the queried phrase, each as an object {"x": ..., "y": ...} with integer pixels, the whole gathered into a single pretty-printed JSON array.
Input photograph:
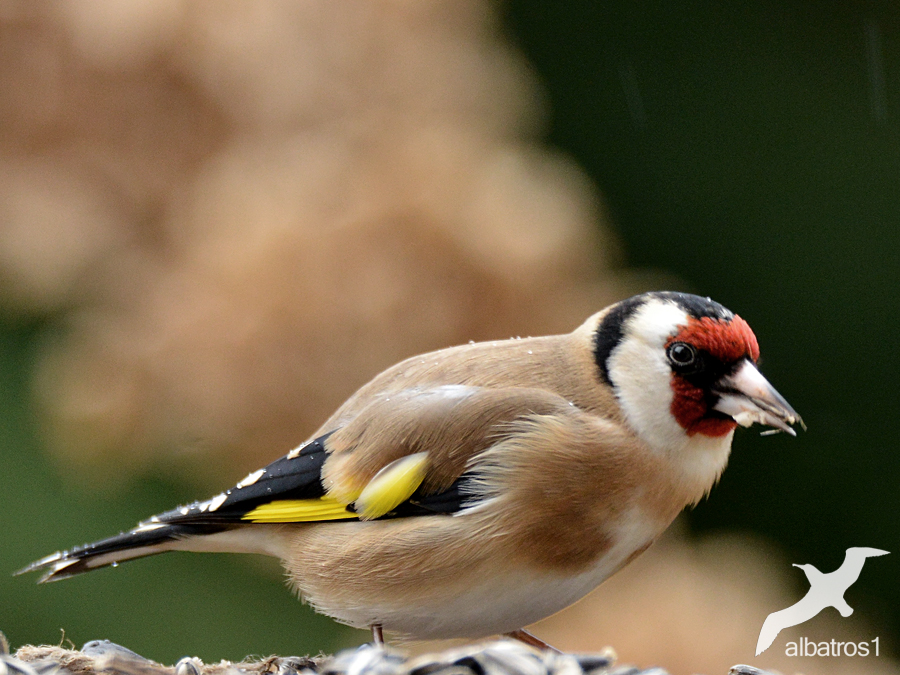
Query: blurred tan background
[
  {"x": 243, "y": 211},
  {"x": 218, "y": 219}
]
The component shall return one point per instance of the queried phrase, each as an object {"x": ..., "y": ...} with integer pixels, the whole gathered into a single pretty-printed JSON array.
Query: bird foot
[{"x": 377, "y": 635}]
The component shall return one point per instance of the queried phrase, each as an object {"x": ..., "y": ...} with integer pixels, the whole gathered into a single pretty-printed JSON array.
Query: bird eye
[{"x": 681, "y": 354}]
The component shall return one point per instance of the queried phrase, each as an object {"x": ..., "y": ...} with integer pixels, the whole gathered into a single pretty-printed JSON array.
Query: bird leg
[
  {"x": 377, "y": 635},
  {"x": 523, "y": 635}
]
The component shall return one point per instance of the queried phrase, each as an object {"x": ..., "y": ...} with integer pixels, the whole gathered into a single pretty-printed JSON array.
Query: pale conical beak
[{"x": 747, "y": 397}]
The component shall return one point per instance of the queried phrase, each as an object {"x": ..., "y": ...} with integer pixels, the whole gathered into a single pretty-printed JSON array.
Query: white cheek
[{"x": 641, "y": 375}]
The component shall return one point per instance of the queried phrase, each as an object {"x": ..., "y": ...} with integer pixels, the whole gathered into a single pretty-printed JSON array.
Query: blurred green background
[
  {"x": 753, "y": 149},
  {"x": 750, "y": 149},
  {"x": 213, "y": 606}
]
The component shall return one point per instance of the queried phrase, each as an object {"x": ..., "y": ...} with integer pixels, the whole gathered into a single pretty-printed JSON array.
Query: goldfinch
[{"x": 475, "y": 490}]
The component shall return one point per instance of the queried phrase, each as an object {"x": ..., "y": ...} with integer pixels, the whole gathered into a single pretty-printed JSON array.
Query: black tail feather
[{"x": 147, "y": 539}]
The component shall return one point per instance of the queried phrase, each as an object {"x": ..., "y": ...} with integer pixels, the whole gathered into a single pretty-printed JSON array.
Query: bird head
[
  {"x": 684, "y": 367},
  {"x": 811, "y": 571}
]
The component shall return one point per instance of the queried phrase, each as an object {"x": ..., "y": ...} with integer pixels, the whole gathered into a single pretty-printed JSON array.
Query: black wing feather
[
  {"x": 295, "y": 476},
  {"x": 452, "y": 500}
]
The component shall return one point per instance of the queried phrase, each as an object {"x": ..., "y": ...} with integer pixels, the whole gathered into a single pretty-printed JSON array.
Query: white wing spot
[
  {"x": 217, "y": 501},
  {"x": 295, "y": 453},
  {"x": 251, "y": 479}
]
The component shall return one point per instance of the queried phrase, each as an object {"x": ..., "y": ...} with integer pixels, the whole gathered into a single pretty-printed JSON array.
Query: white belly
[
  {"x": 496, "y": 606},
  {"x": 482, "y": 604}
]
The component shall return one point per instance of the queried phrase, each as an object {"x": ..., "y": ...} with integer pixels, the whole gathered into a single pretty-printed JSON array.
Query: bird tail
[{"x": 148, "y": 538}]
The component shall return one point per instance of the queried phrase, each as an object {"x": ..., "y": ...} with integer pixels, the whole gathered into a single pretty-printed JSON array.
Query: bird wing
[
  {"x": 408, "y": 449},
  {"x": 404, "y": 454},
  {"x": 446, "y": 426},
  {"x": 407, "y": 452},
  {"x": 796, "y": 614}
]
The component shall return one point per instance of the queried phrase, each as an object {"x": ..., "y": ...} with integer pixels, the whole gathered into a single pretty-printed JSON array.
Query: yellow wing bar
[
  {"x": 390, "y": 487},
  {"x": 299, "y": 511}
]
